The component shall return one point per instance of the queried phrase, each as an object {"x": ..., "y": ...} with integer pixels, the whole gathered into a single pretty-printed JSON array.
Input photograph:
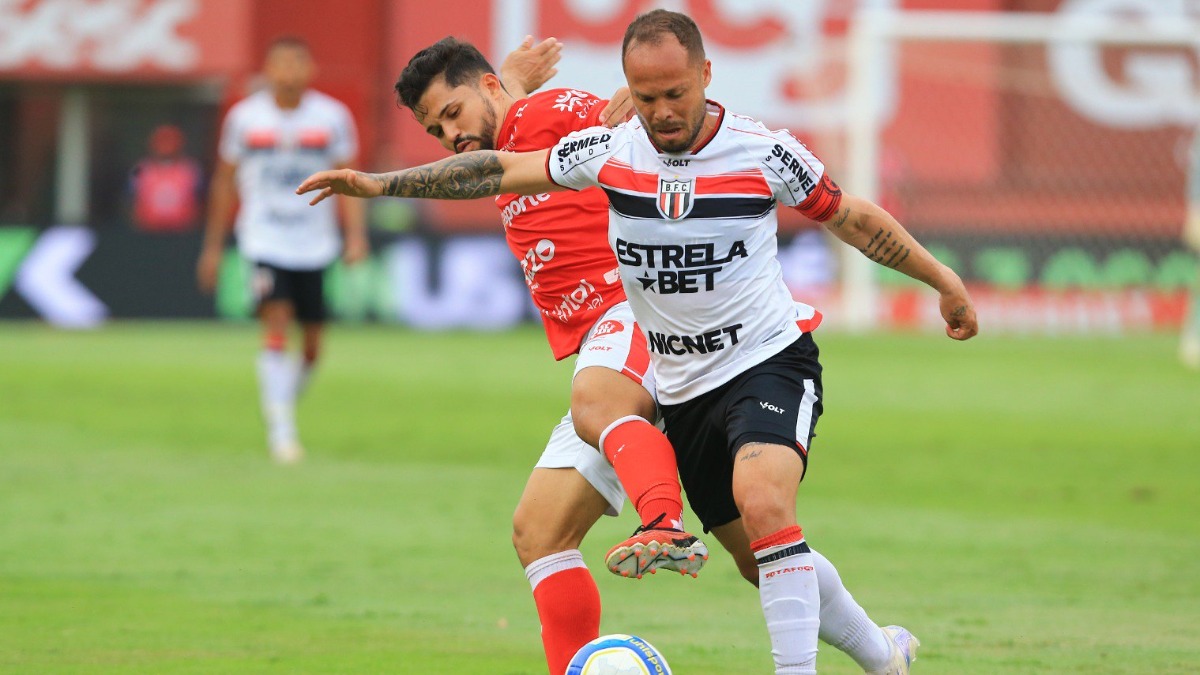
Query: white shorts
[{"x": 617, "y": 344}]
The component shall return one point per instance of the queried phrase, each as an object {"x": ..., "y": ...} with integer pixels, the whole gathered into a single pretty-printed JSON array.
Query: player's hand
[
  {"x": 958, "y": 311},
  {"x": 619, "y": 108},
  {"x": 1191, "y": 228},
  {"x": 355, "y": 250},
  {"x": 207, "y": 268},
  {"x": 340, "y": 182},
  {"x": 530, "y": 66}
]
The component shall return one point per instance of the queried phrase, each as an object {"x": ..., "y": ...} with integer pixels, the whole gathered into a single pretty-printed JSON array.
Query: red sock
[
  {"x": 568, "y": 605},
  {"x": 645, "y": 464}
]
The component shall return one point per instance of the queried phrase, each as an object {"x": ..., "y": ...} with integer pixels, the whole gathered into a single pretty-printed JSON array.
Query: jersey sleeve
[
  {"x": 575, "y": 161},
  {"x": 798, "y": 179},
  {"x": 232, "y": 146},
  {"x": 344, "y": 147}
]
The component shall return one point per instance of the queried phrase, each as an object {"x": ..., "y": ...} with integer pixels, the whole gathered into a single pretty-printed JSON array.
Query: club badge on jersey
[{"x": 675, "y": 197}]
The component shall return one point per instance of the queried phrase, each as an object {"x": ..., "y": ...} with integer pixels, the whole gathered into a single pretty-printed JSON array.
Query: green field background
[{"x": 1024, "y": 505}]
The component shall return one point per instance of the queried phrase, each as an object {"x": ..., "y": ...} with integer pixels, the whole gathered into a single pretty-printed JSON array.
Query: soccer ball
[{"x": 618, "y": 655}]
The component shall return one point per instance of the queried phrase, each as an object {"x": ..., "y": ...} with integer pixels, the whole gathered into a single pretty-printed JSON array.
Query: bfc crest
[{"x": 675, "y": 197}]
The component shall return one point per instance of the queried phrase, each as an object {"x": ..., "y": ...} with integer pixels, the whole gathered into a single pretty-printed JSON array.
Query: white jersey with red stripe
[
  {"x": 274, "y": 150},
  {"x": 695, "y": 238}
]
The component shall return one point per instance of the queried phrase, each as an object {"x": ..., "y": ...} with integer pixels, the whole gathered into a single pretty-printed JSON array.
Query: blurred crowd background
[{"x": 1050, "y": 175}]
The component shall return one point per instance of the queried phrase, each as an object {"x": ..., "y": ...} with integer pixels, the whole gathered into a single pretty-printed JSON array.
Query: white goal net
[{"x": 1044, "y": 156}]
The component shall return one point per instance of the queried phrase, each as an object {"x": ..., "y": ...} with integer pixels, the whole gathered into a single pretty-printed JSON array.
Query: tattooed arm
[
  {"x": 470, "y": 175},
  {"x": 874, "y": 231}
]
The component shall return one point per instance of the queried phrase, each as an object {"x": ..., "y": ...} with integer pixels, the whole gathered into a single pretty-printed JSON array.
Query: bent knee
[
  {"x": 764, "y": 515},
  {"x": 600, "y": 398},
  {"x": 532, "y": 542}
]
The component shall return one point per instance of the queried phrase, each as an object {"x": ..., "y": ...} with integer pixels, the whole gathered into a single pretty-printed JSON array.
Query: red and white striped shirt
[{"x": 695, "y": 238}]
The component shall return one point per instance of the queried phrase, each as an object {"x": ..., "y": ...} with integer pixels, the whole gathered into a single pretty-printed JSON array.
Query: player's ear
[
  {"x": 490, "y": 84},
  {"x": 707, "y": 72}
]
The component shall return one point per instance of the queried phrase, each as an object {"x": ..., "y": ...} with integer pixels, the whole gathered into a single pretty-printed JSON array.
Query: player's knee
[
  {"x": 590, "y": 416},
  {"x": 532, "y": 540},
  {"x": 764, "y": 513},
  {"x": 595, "y": 407}
]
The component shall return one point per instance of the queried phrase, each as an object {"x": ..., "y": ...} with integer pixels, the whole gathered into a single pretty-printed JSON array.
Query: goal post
[{"x": 1041, "y": 154}]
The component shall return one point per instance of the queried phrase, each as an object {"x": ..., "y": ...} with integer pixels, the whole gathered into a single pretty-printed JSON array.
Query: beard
[
  {"x": 691, "y": 130},
  {"x": 487, "y": 137}
]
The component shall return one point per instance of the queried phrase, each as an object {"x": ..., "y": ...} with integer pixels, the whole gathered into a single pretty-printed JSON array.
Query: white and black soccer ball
[{"x": 618, "y": 655}]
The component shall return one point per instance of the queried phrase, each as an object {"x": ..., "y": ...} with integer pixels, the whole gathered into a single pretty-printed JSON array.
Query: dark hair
[
  {"x": 653, "y": 25},
  {"x": 290, "y": 42},
  {"x": 457, "y": 60}
]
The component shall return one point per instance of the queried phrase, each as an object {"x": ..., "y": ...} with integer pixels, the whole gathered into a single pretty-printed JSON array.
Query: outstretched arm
[
  {"x": 870, "y": 229},
  {"x": 470, "y": 175}
]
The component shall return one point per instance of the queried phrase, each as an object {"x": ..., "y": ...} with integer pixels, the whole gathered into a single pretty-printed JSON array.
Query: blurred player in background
[
  {"x": 1189, "y": 342},
  {"x": 561, "y": 243},
  {"x": 166, "y": 184},
  {"x": 268, "y": 141}
]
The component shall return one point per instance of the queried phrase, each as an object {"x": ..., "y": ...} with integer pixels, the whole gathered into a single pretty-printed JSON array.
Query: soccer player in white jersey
[
  {"x": 693, "y": 191},
  {"x": 270, "y": 140},
  {"x": 1189, "y": 341}
]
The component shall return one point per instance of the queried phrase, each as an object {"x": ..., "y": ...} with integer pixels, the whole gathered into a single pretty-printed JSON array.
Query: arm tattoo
[
  {"x": 466, "y": 176},
  {"x": 840, "y": 219},
  {"x": 883, "y": 250}
]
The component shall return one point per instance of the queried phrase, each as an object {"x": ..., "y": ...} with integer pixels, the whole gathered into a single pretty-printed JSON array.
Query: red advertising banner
[
  {"x": 123, "y": 39},
  {"x": 782, "y": 63}
]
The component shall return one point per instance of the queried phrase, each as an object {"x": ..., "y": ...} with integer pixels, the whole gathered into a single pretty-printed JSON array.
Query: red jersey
[{"x": 560, "y": 238}]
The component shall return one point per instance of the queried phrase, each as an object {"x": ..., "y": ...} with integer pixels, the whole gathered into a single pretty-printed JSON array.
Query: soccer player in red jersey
[{"x": 560, "y": 241}]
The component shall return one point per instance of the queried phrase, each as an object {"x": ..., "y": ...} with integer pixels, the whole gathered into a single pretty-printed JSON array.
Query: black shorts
[
  {"x": 777, "y": 401},
  {"x": 305, "y": 289}
]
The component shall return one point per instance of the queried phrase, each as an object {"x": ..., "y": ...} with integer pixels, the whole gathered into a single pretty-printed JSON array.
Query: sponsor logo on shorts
[
  {"x": 608, "y": 328},
  {"x": 771, "y": 406}
]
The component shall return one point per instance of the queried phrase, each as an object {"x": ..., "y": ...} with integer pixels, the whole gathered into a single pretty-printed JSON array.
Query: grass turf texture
[{"x": 1024, "y": 505}]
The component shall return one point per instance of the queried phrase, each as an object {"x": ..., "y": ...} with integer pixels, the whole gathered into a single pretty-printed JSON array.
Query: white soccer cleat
[
  {"x": 904, "y": 651},
  {"x": 287, "y": 452}
]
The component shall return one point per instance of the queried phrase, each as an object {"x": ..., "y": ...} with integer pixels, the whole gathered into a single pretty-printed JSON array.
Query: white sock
[
  {"x": 552, "y": 564},
  {"x": 845, "y": 624},
  {"x": 277, "y": 376},
  {"x": 787, "y": 588}
]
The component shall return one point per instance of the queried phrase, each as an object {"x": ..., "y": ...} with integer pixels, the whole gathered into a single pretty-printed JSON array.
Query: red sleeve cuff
[{"x": 823, "y": 203}]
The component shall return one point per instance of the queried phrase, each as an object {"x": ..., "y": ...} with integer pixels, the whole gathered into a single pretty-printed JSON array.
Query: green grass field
[{"x": 1024, "y": 505}]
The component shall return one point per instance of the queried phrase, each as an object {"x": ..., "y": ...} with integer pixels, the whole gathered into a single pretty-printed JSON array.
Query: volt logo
[{"x": 42, "y": 271}]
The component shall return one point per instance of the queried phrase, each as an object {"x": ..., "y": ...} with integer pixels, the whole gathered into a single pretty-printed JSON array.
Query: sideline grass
[{"x": 1024, "y": 505}]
